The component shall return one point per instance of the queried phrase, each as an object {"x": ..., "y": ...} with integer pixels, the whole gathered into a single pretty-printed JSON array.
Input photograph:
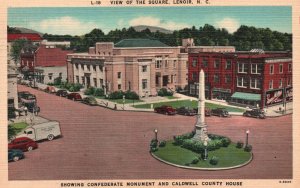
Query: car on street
[
  {"x": 90, "y": 101},
  {"x": 23, "y": 143},
  {"x": 62, "y": 93},
  {"x": 74, "y": 96},
  {"x": 25, "y": 96},
  {"x": 221, "y": 112},
  {"x": 258, "y": 113},
  {"x": 15, "y": 154},
  {"x": 50, "y": 89},
  {"x": 32, "y": 107},
  {"x": 167, "y": 110},
  {"x": 186, "y": 111},
  {"x": 207, "y": 111}
]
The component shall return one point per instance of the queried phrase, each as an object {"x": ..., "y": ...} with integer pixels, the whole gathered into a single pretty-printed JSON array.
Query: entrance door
[
  {"x": 165, "y": 80},
  {"x": 88, "y": 81}
]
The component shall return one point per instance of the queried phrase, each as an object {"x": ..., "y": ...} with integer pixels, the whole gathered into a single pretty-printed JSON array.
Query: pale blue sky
[{"x": 78, "y": 21}]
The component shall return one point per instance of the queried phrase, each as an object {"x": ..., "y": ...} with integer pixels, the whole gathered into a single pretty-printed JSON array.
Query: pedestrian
[
  {"x": 25, "y": 110},
  {"x": 36, "y": 110}
]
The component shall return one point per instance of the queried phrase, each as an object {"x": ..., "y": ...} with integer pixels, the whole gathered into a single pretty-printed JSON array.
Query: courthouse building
[{"x": 140, "y": 65}]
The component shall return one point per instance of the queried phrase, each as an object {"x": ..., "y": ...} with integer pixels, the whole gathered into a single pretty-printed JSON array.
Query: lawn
[
  {"x": 171, "y": 97},
  {"x": 228, "y": 157},
  {"x": 188, "y": 103},
  {"x": 19, "y": 126}
]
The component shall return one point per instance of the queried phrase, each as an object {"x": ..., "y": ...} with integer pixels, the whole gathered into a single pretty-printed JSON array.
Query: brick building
[
  {"x": 140, "y": 65},
  {"x": 243, "y": 78}
]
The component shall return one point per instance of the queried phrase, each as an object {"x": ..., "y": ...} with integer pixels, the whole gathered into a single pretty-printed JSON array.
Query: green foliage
[
  {"x": 214, "y": 160},
  {"x": 71, "y": 86},
  {"x": 131, "y": 95},
  {"x": 57, "y": 81},
  {"x": 178, "y": 140},
  {"x": 225, "y": 142},
  {"x": 16, "y": 48},
  {"x": 153, "y": 149},
  {"x": 99, "y": 92},
  {"x": 89, "y": 91},
  {"x": 11, "y": 132},
  {"x": 193, "y": 145},
  {"x": 195, "y": 160},
  {"x": 248, "y": 148},
  {"x": 162, "y": 143},
  {"x": 164, "y": 92},
  {"x": 153, "y": 143},
  {"x": 239, "y": 144},
  {"x": 116, "y": 95}
]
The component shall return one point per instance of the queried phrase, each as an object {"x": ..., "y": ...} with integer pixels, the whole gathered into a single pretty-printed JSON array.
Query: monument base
[{"x": 201, "y": 133}]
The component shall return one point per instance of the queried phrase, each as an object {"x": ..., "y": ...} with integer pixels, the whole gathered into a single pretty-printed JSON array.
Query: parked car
[
  {"x": 32, "y": 107},
  {"x": 48, "y": 130},
  {"x": 25, "y": 96},
  {"x": 221, "y": 112},
  {"x": 168, "y": 110},
  {"x": 15, "y": 154},
  {"x": 90, "y": 101},
  {"x": 207, "y": 111},
  {"x": 62, "y": 93},
  {"x": 258, "y": 113},
  {"x": 23, "y": 143},
  {"x": 74, "y": 96},
  {"x": 50, "y": 89},
  {"x": 186, "y": 111}
]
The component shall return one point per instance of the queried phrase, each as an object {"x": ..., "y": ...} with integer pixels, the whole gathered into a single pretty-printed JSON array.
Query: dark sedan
[
  {"x": 74, "y": 96},
  {"x": 186, "y": 111},
  {"x": 90, "y": 101},
  {"x": 167, "y": 110},
  {"x": 62, "y": 93},
  {"x": 15, "y": 155},
  {"x": 221, "y": 112},
  {"x": 258, "y": 113}
]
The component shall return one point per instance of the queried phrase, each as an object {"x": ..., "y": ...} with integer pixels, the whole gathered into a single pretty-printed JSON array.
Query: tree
[
  {"x": 16, "y": 48},
  {"x": 11, "y": 132}
]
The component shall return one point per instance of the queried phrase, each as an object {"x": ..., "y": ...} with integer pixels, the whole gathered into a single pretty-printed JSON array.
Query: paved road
[{"x": 99, "y": 143}]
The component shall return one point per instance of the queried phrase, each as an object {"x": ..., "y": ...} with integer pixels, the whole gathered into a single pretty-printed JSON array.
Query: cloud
[
  {"x": 157, "y": 22},
  {"x": 64, "y": 25},
  {"x": 228, "y": 23}
]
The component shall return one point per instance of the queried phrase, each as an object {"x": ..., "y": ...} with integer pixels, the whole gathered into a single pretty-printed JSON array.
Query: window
[
  {"x": 272, "y": 69},
  {"x": 144, "y": 83},
  {"x": 94, "y": 68},
  {"x": 88, "y": 67},
  {"x": 174, "y": 63},
  {"x": 82, "y": 66},
  {"x": 228, "y": 64},
  {"x": 271, "y": 84},
  {"x": 290, "y": 67},
  {"x": 194, "y": 76},
  {"x": 83, "y": 80},
  {"x": 205, "y": 62},
  {"x": 166, "y": 63},
  {"x": 101, "y": 68},
  {"x": 255, "y": 83},
  {"x": 194, "y": 62},
  {"x": 217, "y": 63},
  {"x": 227, "y": 78},
  {"x": 60, "y": 74},
  {"x": 50, "y": 75},
  {"x": 242, "y": 82},
  {"x": 77, "y": 79},
  {"x": 101, "y": 82},
  {"x": 206, "y": 77},
  {"x": 289, "y": 81},
  {"x": 144, "y": 68},
  {"x": 95, "y": 82},
  {"x": 242, "y": 68},
  {"x": 158, "y": 62},
  {"x": 119, "y": 75},
  {"x": 119, "y": 86},
  {"x": 280, "y": 83},
  {"x": 76, "y": 66},
  {"x": 281, "y": 68},
  {"x": 256, "y": 68},
  {"x": 216, "y": 78}
]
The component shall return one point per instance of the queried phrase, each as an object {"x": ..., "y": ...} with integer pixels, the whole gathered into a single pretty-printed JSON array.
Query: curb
[
  {"x": 279, "y": 115},
  {"x": 204, "y": 169}
]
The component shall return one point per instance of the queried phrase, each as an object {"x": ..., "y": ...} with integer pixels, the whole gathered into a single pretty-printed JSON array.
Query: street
[{"x": 99, "y": 143}]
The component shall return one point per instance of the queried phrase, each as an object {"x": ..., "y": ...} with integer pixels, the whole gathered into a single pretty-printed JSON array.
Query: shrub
[
  {"x": 77, "y": 86},
  {"x": 214, "y": 160},
  {"x": 153, "y": 149},
  {"x": 116, "y": 95},
  {"x": 164, "y": 92},
  {"x": 57, "y": 81},
  {"x": 89, "y": 91},
  {"x": 50, "y": 84},
  {"x": 195, "y": 160},
  {"x": 214, "y": 144},
  {"x": 11, "y": 132},
  {"x": 248, "y": 148},
  {"x": 131, "y": 95},
  {"x": 162, "y": 143},
  {"x": 239, "y": 144},
  {"x": 225, "y": 142},
  {"x": 153, "y": 143},
  {"x": 99, "y": 92}
]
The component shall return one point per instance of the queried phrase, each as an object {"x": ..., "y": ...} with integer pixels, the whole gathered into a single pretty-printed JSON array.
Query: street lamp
[
  {"x": 247, "y": 135},
  {"x": 205, "y": 149},
  {"x": 155, "y": 133}
]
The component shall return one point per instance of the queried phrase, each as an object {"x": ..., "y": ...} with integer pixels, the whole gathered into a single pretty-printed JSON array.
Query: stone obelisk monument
[{"x": 201, "y": 127}]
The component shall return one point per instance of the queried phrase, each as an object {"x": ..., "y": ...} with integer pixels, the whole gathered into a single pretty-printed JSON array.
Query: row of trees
[{"x": 245, "y": 38}]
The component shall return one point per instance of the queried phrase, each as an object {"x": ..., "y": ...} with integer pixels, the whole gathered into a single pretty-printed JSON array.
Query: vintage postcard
[{"x": 149, "y": 93}]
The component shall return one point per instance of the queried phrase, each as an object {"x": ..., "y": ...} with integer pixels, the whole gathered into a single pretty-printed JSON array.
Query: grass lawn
[
  {"x": 171, "y": 97},
  {"x": 120, "y": 101},
  {"x": 19, "y": 126},
  {"x": 188, "y": 103},
  {"x": 230, "y": 156}
]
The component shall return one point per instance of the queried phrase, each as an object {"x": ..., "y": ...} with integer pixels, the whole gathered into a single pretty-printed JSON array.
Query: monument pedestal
[{"x": 201, "y": 133}]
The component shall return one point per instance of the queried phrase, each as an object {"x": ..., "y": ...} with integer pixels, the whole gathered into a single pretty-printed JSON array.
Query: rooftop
[
  {"x": 28, "y": 36},
  {"x": 134, "y": 43}
]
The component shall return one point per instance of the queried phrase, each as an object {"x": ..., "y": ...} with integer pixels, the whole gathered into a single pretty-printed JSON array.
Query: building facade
[
  {"x": 244, "y": 78},
  {"x": 140, "y": 65}
]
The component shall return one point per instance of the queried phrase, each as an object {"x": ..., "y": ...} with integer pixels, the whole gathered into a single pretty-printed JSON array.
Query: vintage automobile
[
  {"x": 74, "y": 96},
  {"x": 221, "y": 112},
  {"x": 15, "y": 155},
  {"x": 50, "y": 89},
  {"x": 23, "y": 143},
  {"x": 258, "y": 113},
  {"x": 25, "y": 96},
  {"x": 207, "y": 111},
  {"x": 186, "y": 111},
  {"x": 62, "y": 93},
  {"x": 90, "y": 101},
  {"x": 167, "y": 110}
]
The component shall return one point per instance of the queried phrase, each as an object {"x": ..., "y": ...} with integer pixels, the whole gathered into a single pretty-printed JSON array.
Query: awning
[{"x": 246, "y": 96}]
